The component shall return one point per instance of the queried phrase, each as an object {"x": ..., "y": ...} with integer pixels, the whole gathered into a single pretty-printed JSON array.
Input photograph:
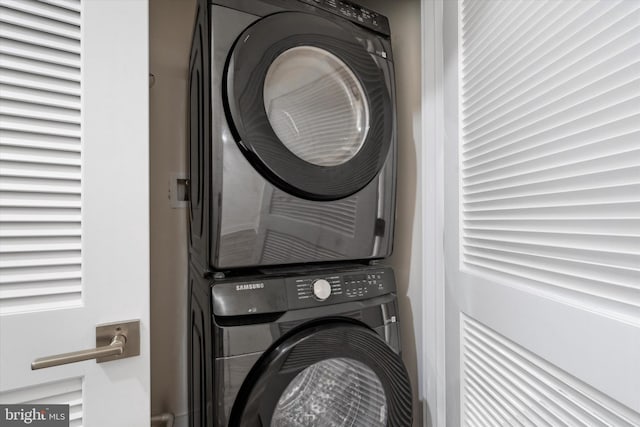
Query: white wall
[{"x": 170, "y": 27}]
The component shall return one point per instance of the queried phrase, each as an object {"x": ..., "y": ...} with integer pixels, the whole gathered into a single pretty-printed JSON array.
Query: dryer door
[
  {"x": 332, "y": 374},
  {"x": 309, "y": 105}
]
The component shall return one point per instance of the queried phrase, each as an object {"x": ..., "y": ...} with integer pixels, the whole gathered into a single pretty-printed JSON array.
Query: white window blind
[
  {"x": 506, "y": 385},
  {"x": 64, "y": 392},
  {"x": 40, "y": 155},
  {"x": 550, "y": 146}
]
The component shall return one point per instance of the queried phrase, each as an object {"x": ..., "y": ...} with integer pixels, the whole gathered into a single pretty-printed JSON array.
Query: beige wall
[
  {"x": 170, "y": 27},
  {"x": 404, "y": 18},
  {"x": 170, "y": 32}
]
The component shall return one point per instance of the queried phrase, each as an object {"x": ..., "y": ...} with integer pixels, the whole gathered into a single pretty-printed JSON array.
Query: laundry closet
[
  {"x": 274, "y": 212},
  {"x": 260, "y": 209}
]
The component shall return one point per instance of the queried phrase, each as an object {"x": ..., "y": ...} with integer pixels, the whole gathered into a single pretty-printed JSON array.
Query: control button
[{"x": 321, "y": 289}]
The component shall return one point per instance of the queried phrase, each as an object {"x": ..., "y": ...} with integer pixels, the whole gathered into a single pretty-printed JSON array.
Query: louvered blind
[
  {"x": 40, "y": 169},
  {"x": 550, "y": 145},
  {"x": 504, "y": 384},
  {"x": 65, "y": 392}
]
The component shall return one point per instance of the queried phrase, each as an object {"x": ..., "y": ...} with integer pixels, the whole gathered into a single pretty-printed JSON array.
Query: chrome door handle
[
  {"x": 113, "y": 341},
  {"x": 116, "y": 348}
]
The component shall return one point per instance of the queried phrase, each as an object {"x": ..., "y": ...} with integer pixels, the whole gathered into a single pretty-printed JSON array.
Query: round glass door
[
  {"x": 309, "y": 106},
  {"x": 329, "y": 374},
  {"x": 316, "y": 106},
  {"x": 333, "y": 393}
]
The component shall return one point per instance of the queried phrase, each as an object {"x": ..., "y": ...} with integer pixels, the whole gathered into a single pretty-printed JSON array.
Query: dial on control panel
[{"x": 321, "y": 289}]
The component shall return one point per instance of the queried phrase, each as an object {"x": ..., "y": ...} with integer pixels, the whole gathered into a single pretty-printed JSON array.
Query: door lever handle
[
  {"x": 116, "y": 348},
  {"x": 113, "y": 341}
]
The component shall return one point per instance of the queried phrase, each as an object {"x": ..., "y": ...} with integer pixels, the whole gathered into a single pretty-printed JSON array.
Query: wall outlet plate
[{"x": 178, "y": 190}]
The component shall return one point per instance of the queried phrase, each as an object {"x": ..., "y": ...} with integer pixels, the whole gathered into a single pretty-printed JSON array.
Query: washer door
[
  {"x": 331, "y": 375},
  {"x": 308, "y": 105}
]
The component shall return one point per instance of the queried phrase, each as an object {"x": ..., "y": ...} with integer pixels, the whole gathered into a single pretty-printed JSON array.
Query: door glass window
[
  {"x": 316, "y": 106},
  {"x": 333, "y": 393}
]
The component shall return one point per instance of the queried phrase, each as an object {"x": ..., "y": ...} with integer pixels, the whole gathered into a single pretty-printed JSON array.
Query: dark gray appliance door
[
  {"x": 327, "y": 374},
  {"x": 308, "y": 105},
  {"x": 198, "y": 138}
]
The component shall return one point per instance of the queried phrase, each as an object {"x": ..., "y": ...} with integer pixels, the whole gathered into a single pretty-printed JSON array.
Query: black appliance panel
[
  {"x": 233, "y": 368},
  {"x": 240, "y": 345},
  {"x": 223, "y": 350},
  {"x": 357, "y": 14},
  {"x": 200, "y": 348},
  {"x": 354, "y": 12},
  {"x": 199, "y": 137},
  {"x": 252, "y": 334},
  {"x": 249, "y": 222},
  {"x": 282, "y": 384},
  {"x": 278, "y": 294}
]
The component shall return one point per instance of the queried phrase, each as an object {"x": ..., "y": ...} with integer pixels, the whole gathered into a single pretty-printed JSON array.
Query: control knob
[{"x": 321, "y": 289}]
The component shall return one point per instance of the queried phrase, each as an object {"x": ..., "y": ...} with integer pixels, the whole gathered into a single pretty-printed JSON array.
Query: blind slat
[
  {"x": 550, "y": 150},
  {"x": 44, "y": 10},
  {"x": 564, "y": 85},
  {"x": 537, "y": 172},
  {"x": 529, "y": 386},
  {"x": 624, "y": 260},
  {"x": 40, "y": 155},
  {"x": 557, "y": 46},
  {"x": 14, "y": 13},
  {"x": 531, "y": 21},
  {"x": 613, "y": 177},
  {"x": 595, "y": 211}
]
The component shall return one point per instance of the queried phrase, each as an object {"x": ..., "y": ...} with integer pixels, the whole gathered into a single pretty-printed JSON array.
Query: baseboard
[
  {"x": 164, "y": 420},
  {"x": 181, "y": 421}
]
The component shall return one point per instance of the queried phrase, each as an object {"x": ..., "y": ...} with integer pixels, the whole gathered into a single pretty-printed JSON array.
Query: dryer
[
  {"x": 292, "y": 134},
  {"x": 296, "y": 349}
]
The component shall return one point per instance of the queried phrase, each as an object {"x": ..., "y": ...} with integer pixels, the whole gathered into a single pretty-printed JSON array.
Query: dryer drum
[
  {"x": 333, "y": 124},
  {"x": 333, "y": 392},
  {"x": 330, "y": 374}
]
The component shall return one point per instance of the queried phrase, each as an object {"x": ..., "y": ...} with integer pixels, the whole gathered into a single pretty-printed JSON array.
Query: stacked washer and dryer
[{"x": 292, "y": 320}]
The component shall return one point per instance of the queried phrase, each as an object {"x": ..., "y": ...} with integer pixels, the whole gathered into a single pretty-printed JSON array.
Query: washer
[
  {"x": 293, "y": 349},
  {"x": 292, "y": 134}
]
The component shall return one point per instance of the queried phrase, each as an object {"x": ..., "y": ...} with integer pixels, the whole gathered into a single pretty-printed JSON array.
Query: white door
[
  {"x": 542, "y": 212},
  {"x": 74, "y": 227}
]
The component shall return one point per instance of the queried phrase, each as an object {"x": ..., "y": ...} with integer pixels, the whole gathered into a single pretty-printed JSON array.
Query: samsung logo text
[{"x": 249, "y": 286}]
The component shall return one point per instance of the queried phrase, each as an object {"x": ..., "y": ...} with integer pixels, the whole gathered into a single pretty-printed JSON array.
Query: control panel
[
  {"x": 356, "y": 13},
  {"x": 278, "y": 294},
  {"x": 310, "y": 291},
  {"x": 317, "y": 288},
  {"x": 360, "y": 285}
]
